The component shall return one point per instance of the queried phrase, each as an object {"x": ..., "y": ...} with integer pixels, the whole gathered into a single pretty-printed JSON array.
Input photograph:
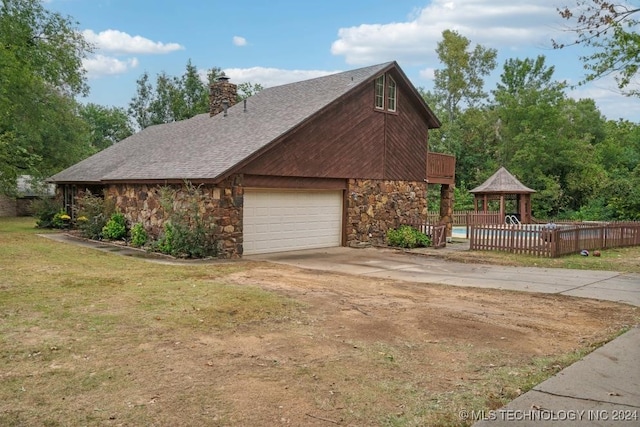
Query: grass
[
  {"x": 89, "y": 338},
  {"x": 64, "y": 306},
  {"x": 619, "y": 259}
]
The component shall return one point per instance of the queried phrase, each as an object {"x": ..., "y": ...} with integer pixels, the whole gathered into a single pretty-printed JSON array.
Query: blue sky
[{"x": 281, "y": 41}]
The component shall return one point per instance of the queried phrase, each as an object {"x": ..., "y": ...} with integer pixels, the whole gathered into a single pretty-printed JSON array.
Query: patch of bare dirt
[
  {"x": 359, "y": 351},
  {"x": 367, "y": 350}
]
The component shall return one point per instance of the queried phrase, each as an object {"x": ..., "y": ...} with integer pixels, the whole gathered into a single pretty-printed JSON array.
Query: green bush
[
  {"x": 45, "y": 210},
  {"x": 187, "y": 233},
  {"x": 407, "y": 237},
  {"x": 115, "y": 228},
  {"x": 139, "y": 235},
  {"x": 93, "y": 214},
  {"x": 61, "y": 220}
]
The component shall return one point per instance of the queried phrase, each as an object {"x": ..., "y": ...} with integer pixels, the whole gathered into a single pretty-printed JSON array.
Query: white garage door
[{"x": 280, "y": 220}]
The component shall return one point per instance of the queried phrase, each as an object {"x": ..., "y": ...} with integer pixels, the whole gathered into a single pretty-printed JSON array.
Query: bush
[
  {"x": 407, "y": 237},
  {"x": 139, "y": 235},
  {"x": 186, "y": 232},
  {"x": 45, "y": 210},
  {"x": 115, "y": 228},
  {"x": 93, "y": 214},
  {"x": 61, "y": 220}
]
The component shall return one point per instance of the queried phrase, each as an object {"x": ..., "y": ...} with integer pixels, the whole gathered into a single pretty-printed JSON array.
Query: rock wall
[
  {"x": 376, "y": 206},
  {"x": 220, "y": 205}
]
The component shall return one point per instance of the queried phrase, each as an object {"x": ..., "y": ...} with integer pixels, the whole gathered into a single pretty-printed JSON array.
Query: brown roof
[
  {"x": 209, "y": 148},
  {"x": 502, "y": 182}
]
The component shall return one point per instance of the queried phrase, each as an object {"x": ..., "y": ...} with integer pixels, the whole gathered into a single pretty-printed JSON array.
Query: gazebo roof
[{"x": 502, "y": 182}]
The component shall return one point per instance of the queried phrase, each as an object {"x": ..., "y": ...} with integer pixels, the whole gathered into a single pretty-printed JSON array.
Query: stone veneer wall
[
  {"x": 221, "y": 203},
  {"x": 376, "y": 206}
]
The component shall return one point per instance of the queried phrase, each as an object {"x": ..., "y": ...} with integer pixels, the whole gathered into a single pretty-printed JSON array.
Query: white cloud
[
  {"x": 101, "y": 65},
  {"x": 115, "y": 41},
  {"x": 500, "y": 24},
  {"x": 268, "y": 77},
  {"x": 239, "y": 41},
  {"x": 607, "y": 97}
]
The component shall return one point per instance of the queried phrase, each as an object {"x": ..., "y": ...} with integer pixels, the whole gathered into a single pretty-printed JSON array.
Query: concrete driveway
[{"x": 398, "y": 265}]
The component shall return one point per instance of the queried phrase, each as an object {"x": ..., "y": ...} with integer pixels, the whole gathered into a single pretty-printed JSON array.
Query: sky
[{"x": 281, "y": 41}]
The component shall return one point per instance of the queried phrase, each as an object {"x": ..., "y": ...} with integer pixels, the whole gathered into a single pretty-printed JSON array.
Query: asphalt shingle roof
[
  {"x": 206, "y": 147},
  {"x": 502, "y": 182}
]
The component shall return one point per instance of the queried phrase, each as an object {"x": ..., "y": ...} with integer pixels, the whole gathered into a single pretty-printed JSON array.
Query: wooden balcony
[{"x": 441, "y": 168}]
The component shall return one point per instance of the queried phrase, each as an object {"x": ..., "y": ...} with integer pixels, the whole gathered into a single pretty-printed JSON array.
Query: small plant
[
  {"x": 115, "y": 228},
  {"x": 164, "y": 244},
  {"x": 139, "y": 235},
  {"x": 407, "y": 237},
  {"x": 61, "y": 220}
]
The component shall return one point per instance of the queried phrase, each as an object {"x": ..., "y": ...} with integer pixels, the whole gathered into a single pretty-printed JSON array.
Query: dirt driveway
[{"x": 372, "y": 351}]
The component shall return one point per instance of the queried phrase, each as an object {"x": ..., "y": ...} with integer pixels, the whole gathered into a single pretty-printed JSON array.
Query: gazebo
[{"x": 502, "y": 186}]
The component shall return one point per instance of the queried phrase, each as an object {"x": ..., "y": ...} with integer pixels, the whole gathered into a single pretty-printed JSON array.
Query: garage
[{"x": 283, "y": 220}]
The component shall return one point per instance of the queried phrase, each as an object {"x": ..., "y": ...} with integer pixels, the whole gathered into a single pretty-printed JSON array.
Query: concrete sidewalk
[{"x": 602, "y": 389}]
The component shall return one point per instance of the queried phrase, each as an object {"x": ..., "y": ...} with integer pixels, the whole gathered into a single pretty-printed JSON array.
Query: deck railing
[{"x": 441, "y": 168}]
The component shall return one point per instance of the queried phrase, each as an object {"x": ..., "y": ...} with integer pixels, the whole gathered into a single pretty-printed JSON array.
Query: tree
[
  {"x": 139, "y": 110},
  {"x": 462, "y": 76},
  {"x": 247, "y": 89},
  {"x": 612, "y": 30},
  {"x": 106, "y": 125},
  {"x": 547, "y": 139},
  {"x": 172, "y": 98},
  {"x": 41, "y": 70}
]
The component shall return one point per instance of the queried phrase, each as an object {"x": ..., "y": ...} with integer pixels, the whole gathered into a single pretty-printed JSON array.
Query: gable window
[
  {"x": 386, "y": 94},
  {"x": 380, "y": 92},
  {"x": 391, "y": 95}
]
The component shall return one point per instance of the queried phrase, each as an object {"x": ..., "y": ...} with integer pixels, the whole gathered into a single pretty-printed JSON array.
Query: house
[
  {"x": 28, "y": 189},
  {"x": 336, "y": 160}
]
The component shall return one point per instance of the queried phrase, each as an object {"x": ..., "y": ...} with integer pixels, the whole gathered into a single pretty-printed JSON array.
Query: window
[
  {"x": 380, "y": 92},
  {"x": 391, "y": 95},
  {"x": 386, "y": 95}
]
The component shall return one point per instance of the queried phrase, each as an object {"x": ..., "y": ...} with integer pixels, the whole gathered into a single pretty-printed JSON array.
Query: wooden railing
[
  {"x": 441, "y": 168},
  {"x": 553, "y": 242}
]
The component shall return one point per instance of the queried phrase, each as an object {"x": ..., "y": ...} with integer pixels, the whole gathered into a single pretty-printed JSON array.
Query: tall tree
[
  {"x": 612, "y": 29},
  {"x": 172, "y": 98},
  {"x": 462, "y": 78},
  {"x": 139, "y": 106},
  {"x": 41, "y": 70},
  {"x": 545, "y": 139}
]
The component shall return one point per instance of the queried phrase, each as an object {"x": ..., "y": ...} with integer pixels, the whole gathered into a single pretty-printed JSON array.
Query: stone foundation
[{"x": 376, "y": 206}]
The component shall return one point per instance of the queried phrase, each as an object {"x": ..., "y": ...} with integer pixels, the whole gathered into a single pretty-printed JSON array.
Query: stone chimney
[{"x": 219, "y": 92}]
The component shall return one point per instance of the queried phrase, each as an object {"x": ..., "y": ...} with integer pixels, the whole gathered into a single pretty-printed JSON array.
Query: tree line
[{"x": 582, "y": 165}]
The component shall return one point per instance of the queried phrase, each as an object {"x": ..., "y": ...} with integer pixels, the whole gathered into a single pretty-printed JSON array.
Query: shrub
[
  {"x": 97, "y": 211},
  {"x": 61, "y": 220},
  {"x": 187, "y": 233},
  {"x": 115, "y": 228},
  {"x": 139, "y": 235},
  {"x": 45, "y": 210},
  {"x": 407, "y": 237}
]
